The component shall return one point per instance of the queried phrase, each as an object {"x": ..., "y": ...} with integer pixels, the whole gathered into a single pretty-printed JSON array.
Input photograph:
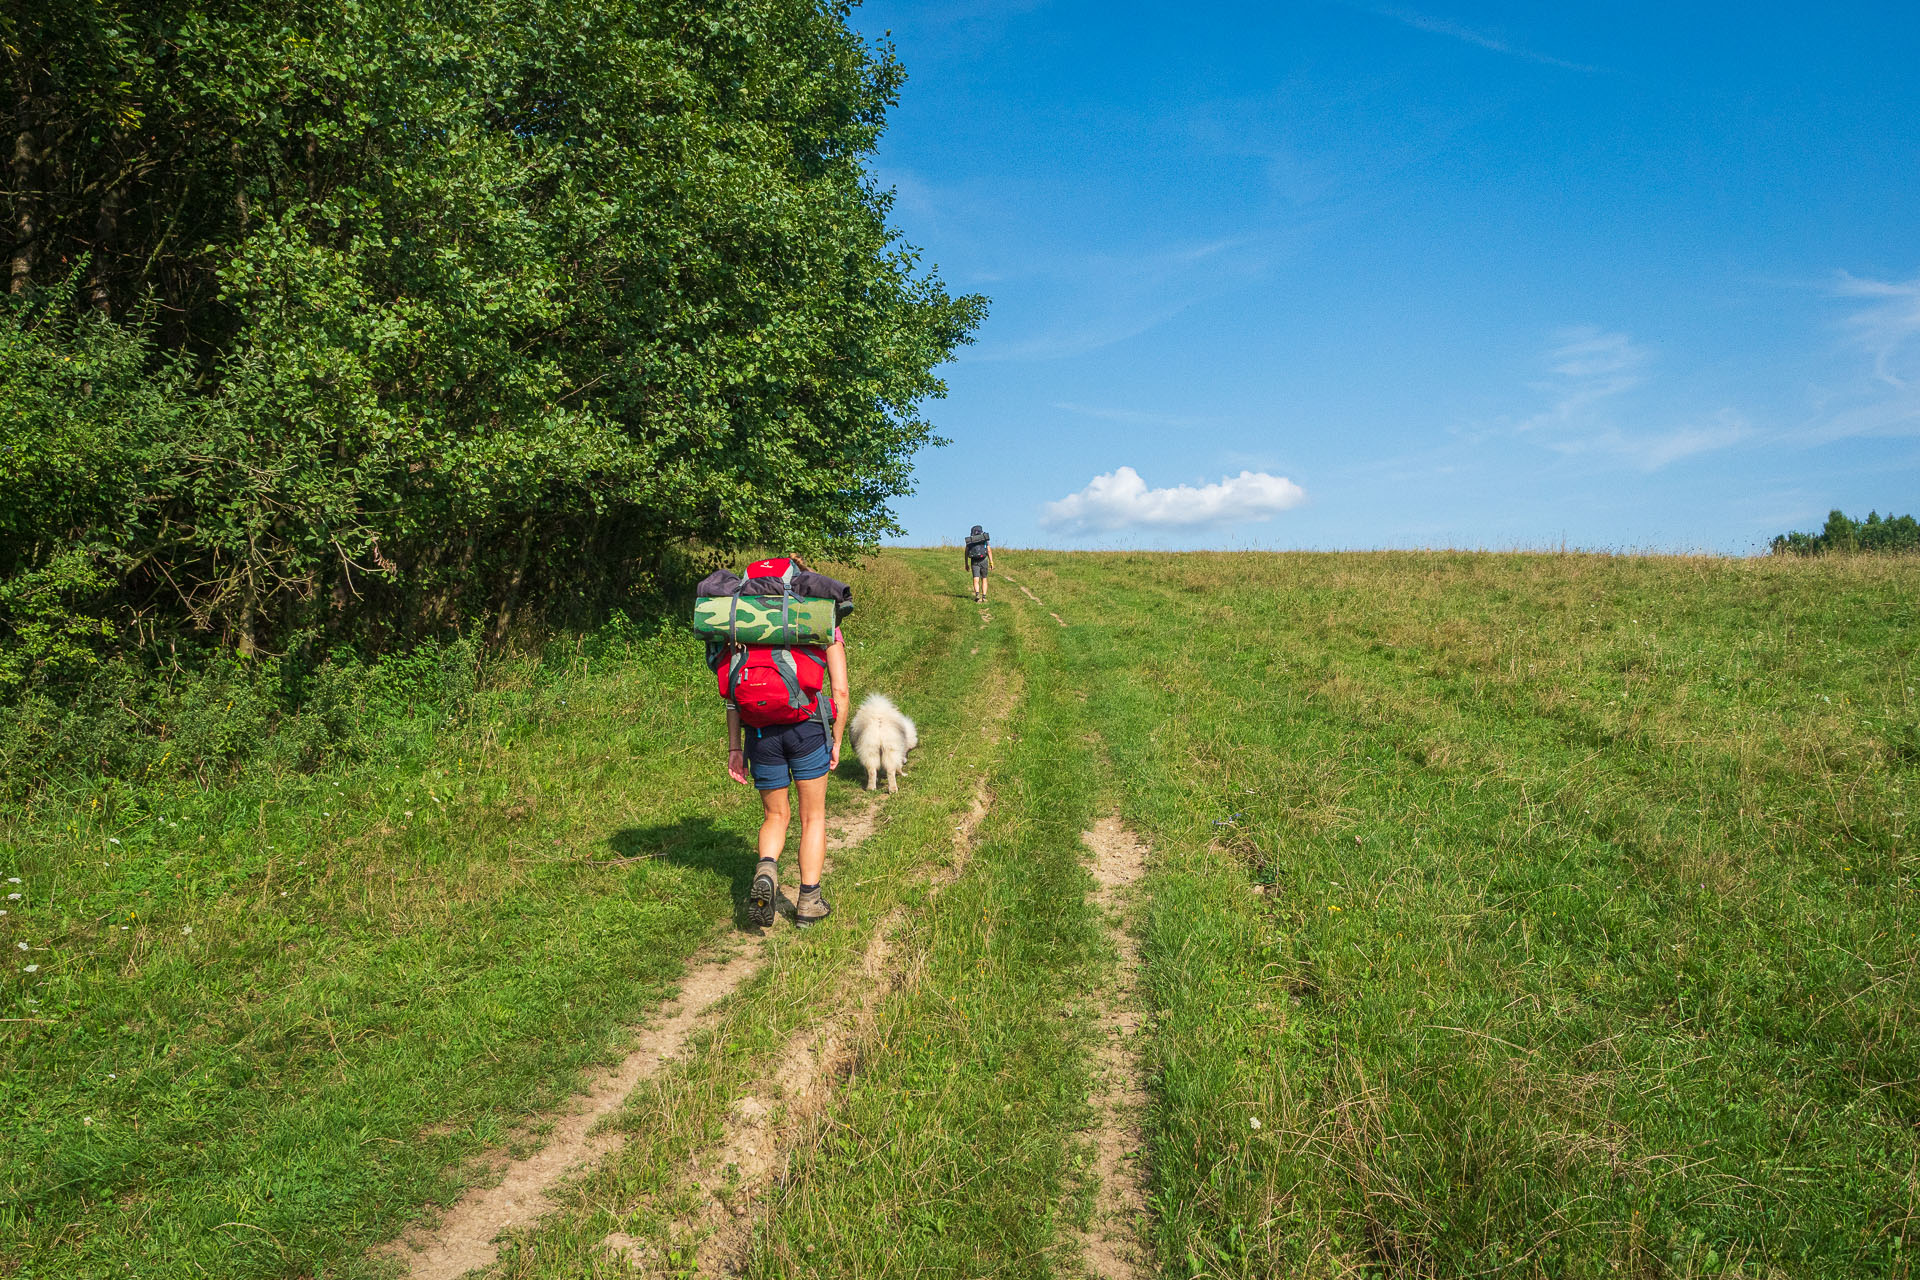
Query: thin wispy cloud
[
  {"x": 1130, "y": 417},
  {"x": 1589, "y": 366},
  {"x": 1111, "y": 298},
  {"x": 1888, "y": 327},
  {"x": 1591, "y": 371},
  {"x": 1121, "y": 499},
  {"x": 1651, "y": 452},
  {"x": 1493, "y": 44},
  {"x": 1883, "y": 331}
]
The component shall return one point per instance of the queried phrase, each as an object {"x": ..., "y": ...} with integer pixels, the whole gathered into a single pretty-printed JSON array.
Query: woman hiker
[
  {"x": 801, "y": 756},
  {"x": 979, "y": 561}
]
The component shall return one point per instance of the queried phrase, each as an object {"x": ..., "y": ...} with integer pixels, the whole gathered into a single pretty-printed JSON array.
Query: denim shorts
[{"x": 783, "y": 752}]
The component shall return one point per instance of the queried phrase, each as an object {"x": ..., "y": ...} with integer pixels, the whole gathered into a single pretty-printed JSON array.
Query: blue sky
[{"x": 1344, "y": 275}]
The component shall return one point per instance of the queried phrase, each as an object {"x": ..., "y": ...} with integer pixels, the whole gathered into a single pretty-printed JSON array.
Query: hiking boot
[
  {"x": 811, "y": 909},
  {"x": 762, "y": 897}
]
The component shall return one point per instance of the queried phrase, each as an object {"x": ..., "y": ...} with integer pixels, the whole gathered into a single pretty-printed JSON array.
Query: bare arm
[
  {"x": 842, "y": 694},
  {"x": 736, "y": 754}
]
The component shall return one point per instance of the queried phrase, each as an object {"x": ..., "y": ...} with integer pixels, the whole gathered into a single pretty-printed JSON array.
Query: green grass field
[{"x": 1537, "y": 915}]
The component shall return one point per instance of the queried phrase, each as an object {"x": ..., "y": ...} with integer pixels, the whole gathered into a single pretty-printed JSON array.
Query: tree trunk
[
  {"x": 26, "y": 229},
  {"x": 104, "y": 228},
  {"x": 505, "y": 620}
]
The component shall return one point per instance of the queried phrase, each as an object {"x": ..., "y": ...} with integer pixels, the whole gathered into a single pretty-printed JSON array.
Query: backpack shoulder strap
[{"x": 790, "y": 673}]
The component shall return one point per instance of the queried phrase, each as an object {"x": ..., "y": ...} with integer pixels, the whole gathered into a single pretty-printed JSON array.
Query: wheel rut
[
  {"x": 466, "y": 1237},
  {"x": 1114, "y": 1243},
  {"x": 764, "y": 1127},
  {"x": 1036, "y": 599}
]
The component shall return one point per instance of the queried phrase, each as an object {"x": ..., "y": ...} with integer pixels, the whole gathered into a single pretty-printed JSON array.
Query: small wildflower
[
  {"x": 409, "y": 813},
  {"x": 112, "y": 1076},
  {"x": 21, "y": 945},
  {"x": 13, "y": 879},
  {"x": 33, "y": 968},
  {"x": 187, "y": 929},
  {"x": 13, "y": 897},
  {"x": 1253, "y": 1122},
  {"x": 112, "y": 840},
  {"x": 87, "y": 1121}
]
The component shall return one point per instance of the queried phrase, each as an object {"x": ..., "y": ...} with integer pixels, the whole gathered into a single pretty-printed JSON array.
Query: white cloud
[{"x": 1121, "y": 500}]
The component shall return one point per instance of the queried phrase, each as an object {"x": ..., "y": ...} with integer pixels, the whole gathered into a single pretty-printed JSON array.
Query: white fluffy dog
[{"x": 881, "y": 738}]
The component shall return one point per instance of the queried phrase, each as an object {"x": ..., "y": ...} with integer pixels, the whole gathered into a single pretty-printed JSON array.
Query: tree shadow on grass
[{"x": 699, "y": 844}]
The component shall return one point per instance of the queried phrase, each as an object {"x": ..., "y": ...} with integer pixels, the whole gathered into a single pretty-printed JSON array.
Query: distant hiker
[
  {"x": 979, "y": 562},
  {"x": 775, "y": 646}
]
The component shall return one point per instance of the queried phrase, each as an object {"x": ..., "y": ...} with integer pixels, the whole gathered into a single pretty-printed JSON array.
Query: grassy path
[{"x": 1412, "y": 915}]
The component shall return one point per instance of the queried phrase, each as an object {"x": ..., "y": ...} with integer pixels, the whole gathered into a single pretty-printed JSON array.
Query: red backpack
[{"x": 776, "y": 684}]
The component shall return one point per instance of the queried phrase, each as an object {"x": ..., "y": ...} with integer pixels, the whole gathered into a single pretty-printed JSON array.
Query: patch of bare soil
[
  {"x": 1114, "y": 1244},
  {"x": 845, "y": 830},
  {"x": 463, "y": 1239}
]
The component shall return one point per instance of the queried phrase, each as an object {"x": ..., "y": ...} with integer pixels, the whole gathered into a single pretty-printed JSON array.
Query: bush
[{"x": 224, "y": 716}]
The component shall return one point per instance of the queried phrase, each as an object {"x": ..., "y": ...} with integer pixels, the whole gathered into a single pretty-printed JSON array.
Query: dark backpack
[{"x": 976, "y": 548}]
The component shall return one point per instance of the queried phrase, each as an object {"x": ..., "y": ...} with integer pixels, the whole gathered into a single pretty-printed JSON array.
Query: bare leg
[
  {"x": 775, "y": 813},
  {"x": 813, "y": 828}
]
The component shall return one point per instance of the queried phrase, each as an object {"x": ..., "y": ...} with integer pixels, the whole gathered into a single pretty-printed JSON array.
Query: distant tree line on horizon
[{"x": 1840, "y": 534}]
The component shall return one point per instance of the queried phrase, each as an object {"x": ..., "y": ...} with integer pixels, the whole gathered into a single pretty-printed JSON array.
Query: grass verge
[{"x": 1548, "y": 915}]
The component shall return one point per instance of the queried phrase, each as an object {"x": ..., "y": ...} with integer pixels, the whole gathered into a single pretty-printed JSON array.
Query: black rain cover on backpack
[{"x": 804, "y": 582}]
